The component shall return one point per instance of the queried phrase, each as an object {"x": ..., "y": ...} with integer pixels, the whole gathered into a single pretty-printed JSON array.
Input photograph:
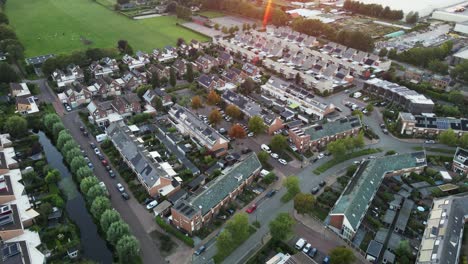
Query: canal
[{"x": 93, "y": 247}]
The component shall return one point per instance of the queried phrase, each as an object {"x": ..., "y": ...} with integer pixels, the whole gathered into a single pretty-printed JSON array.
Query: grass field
[{"x": 61, "y": 26}]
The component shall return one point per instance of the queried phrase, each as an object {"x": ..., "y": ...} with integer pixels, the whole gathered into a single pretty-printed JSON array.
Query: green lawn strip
[
  {"x": 327, "y": 165},
  {"x": 172, "y": 230},
  {"x": 441, "y": 150},
  {"x": 319, "y": 212},
  {"x": 219, "y": 258},
  {"x": 63, "y": 26}
]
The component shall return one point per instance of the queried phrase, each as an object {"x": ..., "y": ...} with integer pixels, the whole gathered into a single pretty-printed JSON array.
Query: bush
[{"x": 172, "y": 230}]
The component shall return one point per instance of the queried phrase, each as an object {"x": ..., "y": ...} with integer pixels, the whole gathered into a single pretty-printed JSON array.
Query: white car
[
  {"x": 265, "y": 148},
  {"x": 251, "y": 134},
  {"x": 274, "y": 155},
  {"x": 429, "y": 142},
  {"x": 151, "y": 205},
  {"x": 357, "y": 162},
  {"x": 321, "y": 155},
  {"x": 307, "y": 248},
  {"x": 282, "y": 161},
  {"x": 68, "y": 108},
  {"x": 97, "y": 151},
  {"x": 120, "y": 187}
]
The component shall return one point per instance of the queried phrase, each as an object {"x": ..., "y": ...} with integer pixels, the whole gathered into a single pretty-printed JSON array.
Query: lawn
[
  {"x": 327, "y": 165},
  {"x": 61, "y": 26}
]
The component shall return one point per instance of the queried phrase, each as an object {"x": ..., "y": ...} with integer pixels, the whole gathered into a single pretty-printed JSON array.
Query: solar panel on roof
[{"x": 442, "y": 124}]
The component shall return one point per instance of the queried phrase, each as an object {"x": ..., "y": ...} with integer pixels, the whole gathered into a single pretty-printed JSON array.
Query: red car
[
  {"x": 104, "y": 162},
  {"x": 251, "y": 209}
]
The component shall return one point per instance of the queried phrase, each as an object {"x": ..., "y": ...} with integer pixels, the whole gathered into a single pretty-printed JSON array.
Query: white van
[
  {"x": 300, "y": 244},
  {"x": 101, "y": 137},
  {"x": 264, "y": 173},
  {"x": 265, "y": 148}
]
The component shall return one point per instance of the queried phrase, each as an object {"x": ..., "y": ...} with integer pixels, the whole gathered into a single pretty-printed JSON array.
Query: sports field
[{"x": 60, "y": 26}]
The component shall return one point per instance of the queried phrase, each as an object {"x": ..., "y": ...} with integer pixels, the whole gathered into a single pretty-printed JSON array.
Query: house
[
  {"x": 351, "y": 207},
  {"x": 180, "y": 67},
  {"x": 190, "y": 124},
  {"x": 374, "y": 249},
  {"x": 102, "y": 113},
  {"x": 317, "y": 136},
  {"x": 232, "y": 75},
  {"x": 167, "y": 54},
  {"x": 250, "y": 70},
  {"x": 211, "y": 82},
  {"x": 127, "y": 104},
  {"x": 430, "y": 126},
  {"x": 77, "y": 94},
  {"x": 443, "y": 235},
  {"x": 410, "y": 100},
  {"x": 414, "y": 75},
  {"x": 246, "y": 105},
  {"x": 133, "y": 63},
  {"x": 460, "y": 161},
  {"x": 154, "y": 176},
  {"x": 440, "y": 82},
  {"x": 159, "y": 69},
  {"x": 151, "y": 95},
  {"x": 273, "y": 123},
  {"x": 72, "y": 74},
  {"x": 192, "y": 214},
  {"x": 104, "y": 67},
  {"x": 26, "y": 105},
  {"x": 19, "y": 89},
  {"x": 205, "y": 63},
  {"x": 225, "y": 59}
]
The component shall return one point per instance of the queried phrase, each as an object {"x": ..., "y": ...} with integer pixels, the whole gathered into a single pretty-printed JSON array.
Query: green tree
[
  {"x": 256, "y": 125},
  {"x": 224, "y": 243},
  {"x": 3, "y": 18},
  {"x": 50, "y": 120},
  {"x": 69, "y": 145},
  {"x": 44, "y": 210},
  {"x": 370, "y": 108},
  {"x": 116, "y": 230},
  {"x": 107, "y": 218},
  {"x": 336, "y": 148},
  {"x": 172, "y": 77},
  {"x": 94, "y": 192},
  {"x": 87, "y": 183},
  {"x": 438, "y": 66},
  {"x": 63, "y": 138},
  {"x": 403, "y": 252},
  {"x": 292, "y": 185},
  {"x": 278, "y": 143},
  {"x": 281, "y": 226},
  {"x": 238, "y": 226},
  {"x": 263, "y": 157},
  {"x": 140, "y": 91},
  {"x": 77, "y": 163},
  {"x": 358, "y": 141},
  {"x": 127, "y": 249},
  {"x": 456, "y": 97},
  {"x": 269, "y": 178},
  {"x": 71, "y": 154},
  {"x": 53, "y": 176},
  {"x": 16, "y": 126},
  {"x": 448, "y": 137},
  {"x": 84, "y": 172},
  {"x": 190, "y": 77},
  {"x": 383, "y": 52},
  {"x": 342, "y": 255},
  {"x": 99, "y": 205},
  {"x": 56, "y": 128},
  {"x": 304, "y": 202},
  {"x": 463, "y": 141},
  {"x": 7, "y": 74},
  {"x": 155, "y": 82},
  {"x": 459, "y": 72}
]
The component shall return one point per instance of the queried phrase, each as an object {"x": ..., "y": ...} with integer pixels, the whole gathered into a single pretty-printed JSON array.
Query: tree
[
  {"x": 224, "y": 243},
  {"x": 190, "y": 77},
  {"x": 216, "y": 26},
  {"x": 213, "y": 98},
  {"x": 403, "y": 251},
  {"x": 215, "y": 117},
  {"x": 56, "y": 128},
  {"x": 370, "y": 108},
  {"x": 196, "y": 102},
  {"x": 459, "y": 72},
  {"x": 298, "y": 79},
  {"x": 99, "y": 205},
  {"x": 448, "y": 137},
  {"x": 336, "y": 148},
  {"x": 233, "y": 111},
  {"x": 4, "y": 18},
  {"x": 256, "y": 125},
  {"x": 172, "y": 77},
  {"x": 7, "y": 74},
  {"x": 269, "y": 178},
  {"x": 238, "y": 226},
  {"x": 44, "y": 210},
  {"x": 63, "y": 138},
  {"x": 94, "y": 192},
  {"x": 342, "y": 255},
  {"x": 142, "y": 89},
  {"x": 237, "y": 131},
  {"x": 53, "y": 176},
  {"x": 383, "y": 52},
  {"x": 463, "y": 141},
  {"x": 127, "y": 249},
  {"x": 87, "y": 183},
  {"x": 456, "y": 97},
  {"x": 84, "y": 172},
  {"x": 438, "y": 66},
  {"x": 116, "y": 230},
  {"x": 124, "y": 47},
  {"x": 69, "y": 145},
  {"x": 358, "y": 142},
  {"x": 107, "y": 218},
  {"x": 16, "y": 126},
  {"x": 281, "y": 226},
  {"x": 278, "y": 143},
  {"x": 304, "y": 202},
  {"x": 412, "y": 18},
  {"x": 155, "y": 82},
  {"x": 49, "y": 120},
  {"x": 180, "y": 42},
  {"x": 71, "y": 154},
  {"x": 263, "y": 157},
  {"x": 77, "y": 163},
  {"x": 247, "y": 87},
  {"x": 7, "y": 32},
  {"x": 292, "y": 185}
]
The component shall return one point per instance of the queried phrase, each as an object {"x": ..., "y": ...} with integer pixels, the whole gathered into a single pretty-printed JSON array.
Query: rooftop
[
  {"x": 410, "y": 95},
  {"x": 359, "y": 192},
  {"x": 332, "y": 128},
  {"x": 461, "y": 156},
  {"x": 404, "y": 215},
  {"x": 249, "y": 107},
  {"x": 423, "y": 121}
]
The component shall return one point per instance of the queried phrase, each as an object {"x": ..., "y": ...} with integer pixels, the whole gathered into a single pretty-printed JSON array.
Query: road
[{"x": 141, "y": 222}]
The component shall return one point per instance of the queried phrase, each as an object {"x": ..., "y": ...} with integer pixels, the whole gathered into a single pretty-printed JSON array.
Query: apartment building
[
  {"x": 410, "y": 100},
  {"x": 190, "y": 124},
  {"x": 158, "y": 178},
  {"x": 192, "y": 214},
  {"x": 351, "y": 207},
  {"x": 318, "y": 136},
  {"x": 460, "y": 161},
  {"x": 429, "y": 125}
]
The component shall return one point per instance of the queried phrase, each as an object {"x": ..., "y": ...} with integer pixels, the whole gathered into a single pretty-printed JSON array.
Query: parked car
[
  {"x": 265, "y": 148},
  {"x": 222, "y": 217},
  {"x": 300, "y": 243},
  {"x": 200, "y": 250},
  {"x": 125, "y": 196},
  {"x": 429, "y": 142},
  {"x": 85, "y": 133},
  {"x": 93, "y": 146},
  {"x": 82, "y": 128},
  {"x": 251, "y": 209},
  {"x": 321, "y": 155},
  {"x": 357, "y": 162},
  {"x": 312, "y": 252},
  {"x": 104, "y": 162},
  {"x": 97, "y": 151},
  {"x": 315, "y": 190},
  {"x": 68, "y": 108},
  {"x": 274, "y": 155},
  {"x": 251, "y": 134},
  {"x": 271, "y": 193},
  {"x": 307, "y": 248},
  {"x": 100, "y": 156},
  {"x": 111, "y": 174},
  {"x": 151, "y": 204},
  {"x": 120, "y": 187},
  {"x": 108, "y": 168},
  {"x": 326, "y": 260},
  {"x": 314, "y": 160},
  {"x": 90, "y": 165},
  {"x": 282, "y": 161},
  {"x": 230, "y": 211},
  {"x": 322, "y": 183}
]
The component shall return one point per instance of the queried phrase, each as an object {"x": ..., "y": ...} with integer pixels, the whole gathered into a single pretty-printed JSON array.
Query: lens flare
[{"x": 267, "y": 14}]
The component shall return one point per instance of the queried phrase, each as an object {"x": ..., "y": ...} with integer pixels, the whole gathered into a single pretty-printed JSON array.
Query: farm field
[{"x": 61, "y": 26}]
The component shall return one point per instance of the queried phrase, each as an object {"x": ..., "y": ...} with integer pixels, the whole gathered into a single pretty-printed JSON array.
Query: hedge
[{"x": 172, "y": 230}]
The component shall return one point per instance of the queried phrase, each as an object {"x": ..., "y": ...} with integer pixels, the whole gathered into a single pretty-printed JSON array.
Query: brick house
[
  {"x": 180, "y": 67},
  {"x": 127, "y": 104},
  {"x": 205, "y": 63},
  {"x": 211, "y": 82}
]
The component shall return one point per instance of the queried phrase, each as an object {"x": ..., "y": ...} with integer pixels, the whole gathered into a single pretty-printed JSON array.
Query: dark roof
[
  {"x": 39, "y": 59},
  {"x": 374, "y": 249},
  {"x": 195, "y": 182},
  {"x": 177, "y": 196},
  {"x": 404, "y": 215},
  {"x": 14, "y": 253}
]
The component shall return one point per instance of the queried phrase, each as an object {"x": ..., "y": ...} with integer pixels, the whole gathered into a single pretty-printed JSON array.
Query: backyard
[{"x": 61, "y": 26}]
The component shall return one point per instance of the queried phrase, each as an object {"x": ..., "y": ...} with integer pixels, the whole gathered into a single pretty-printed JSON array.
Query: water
[{"x": 92, "y": 245}]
